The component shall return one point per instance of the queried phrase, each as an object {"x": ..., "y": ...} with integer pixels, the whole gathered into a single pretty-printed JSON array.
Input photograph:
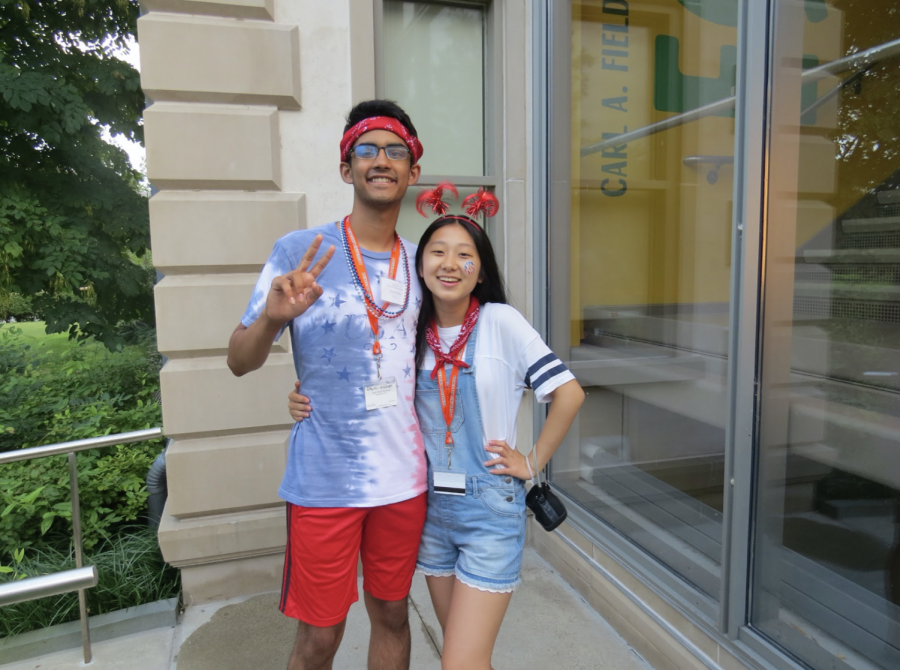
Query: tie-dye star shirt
[{"x": 344, "y": 455}]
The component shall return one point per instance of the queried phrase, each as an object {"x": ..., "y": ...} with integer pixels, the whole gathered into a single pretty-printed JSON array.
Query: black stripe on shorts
[{"x": 286, "y": 574}]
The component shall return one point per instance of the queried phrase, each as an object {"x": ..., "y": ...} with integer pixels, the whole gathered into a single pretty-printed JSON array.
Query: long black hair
[{"x": 491, "y": 288}]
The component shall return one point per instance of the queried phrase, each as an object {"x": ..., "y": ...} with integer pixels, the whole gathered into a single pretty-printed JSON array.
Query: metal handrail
[
  {"x": 39, "y": 587},
  {"x": 80, "y": 445},
  {"x": 859, "y": 61},
  {"x": 48, "y": 585}
]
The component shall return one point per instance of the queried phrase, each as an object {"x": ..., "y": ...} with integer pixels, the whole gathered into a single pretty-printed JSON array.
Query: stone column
[{"x": 236, "y": 162}]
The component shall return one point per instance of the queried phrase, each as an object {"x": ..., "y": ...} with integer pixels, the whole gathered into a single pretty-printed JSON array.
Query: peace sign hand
[{"x": 293, "y": 293}]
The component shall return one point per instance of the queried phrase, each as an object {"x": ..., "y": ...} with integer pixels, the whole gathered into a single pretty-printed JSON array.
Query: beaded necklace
[{"x": 371, "y": 306}]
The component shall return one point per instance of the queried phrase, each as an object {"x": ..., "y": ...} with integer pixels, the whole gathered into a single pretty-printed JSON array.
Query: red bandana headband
[{"x": 380, "y": 123}]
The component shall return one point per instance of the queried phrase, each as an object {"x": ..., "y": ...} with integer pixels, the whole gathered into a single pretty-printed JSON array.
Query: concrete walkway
[{"x": 548, "y": 626}]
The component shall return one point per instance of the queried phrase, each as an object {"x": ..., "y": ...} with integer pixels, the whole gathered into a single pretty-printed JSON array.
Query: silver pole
[{"x": 79, "y": 559}]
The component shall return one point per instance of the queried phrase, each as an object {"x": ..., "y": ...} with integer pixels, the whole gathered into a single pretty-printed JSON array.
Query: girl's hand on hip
[
  {"x": 298, "y": 405},
  {"x": 508, "y": 461}
]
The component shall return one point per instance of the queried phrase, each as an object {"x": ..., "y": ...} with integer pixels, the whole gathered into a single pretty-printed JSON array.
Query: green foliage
[
  {"x": 58, "y": 396},
  {"x": 131, "y": 572},
  {"x": 73, "y": 220},
  {"x": 18, "y": 307}
]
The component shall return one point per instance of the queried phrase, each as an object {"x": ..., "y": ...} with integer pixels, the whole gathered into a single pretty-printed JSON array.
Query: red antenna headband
[{"x": 482, "y": 202}]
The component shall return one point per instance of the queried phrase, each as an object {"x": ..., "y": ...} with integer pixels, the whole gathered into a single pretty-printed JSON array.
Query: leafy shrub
[
  {"x": 17, "y": 306},
  {"x": 83, "y": 391},
  {"x": 131, "y": 572}
]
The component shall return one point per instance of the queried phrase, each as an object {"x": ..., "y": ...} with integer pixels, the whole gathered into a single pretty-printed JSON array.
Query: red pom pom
[
  {"x": 434, "y": 199},
  {"x": 481, "y": 202}
]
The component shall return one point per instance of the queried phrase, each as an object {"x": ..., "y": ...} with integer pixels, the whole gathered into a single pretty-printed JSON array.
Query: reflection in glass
[
  {"x": 827, "y": 571},
  {"x": 650, "y": 273}
]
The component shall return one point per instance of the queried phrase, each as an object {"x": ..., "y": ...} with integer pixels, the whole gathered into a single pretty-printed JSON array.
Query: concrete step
[
  {"x": 846, "y": 291},
  {"x": 889, "y": 197},
  {"x": 874, "y": 224},
  {"x": 843, "y": 256}
]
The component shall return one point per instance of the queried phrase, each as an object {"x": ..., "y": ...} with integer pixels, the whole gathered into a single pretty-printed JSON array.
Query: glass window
[
  {"x": 826, "y": 583},
  {"x": 647, "y": 278},
  {"x": 434, "y": 68}
]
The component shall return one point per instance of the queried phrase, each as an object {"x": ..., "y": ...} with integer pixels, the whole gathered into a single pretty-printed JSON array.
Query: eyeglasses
[{"x": 396, "y": 152}]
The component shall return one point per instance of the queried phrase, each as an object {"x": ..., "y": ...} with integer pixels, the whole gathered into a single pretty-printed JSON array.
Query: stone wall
[{"x": 246, "y": 100}]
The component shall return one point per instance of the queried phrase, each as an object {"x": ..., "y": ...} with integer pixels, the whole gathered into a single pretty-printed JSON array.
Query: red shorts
[{"x": 324, "y": 545}]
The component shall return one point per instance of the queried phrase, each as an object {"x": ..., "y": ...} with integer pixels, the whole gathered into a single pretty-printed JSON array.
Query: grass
[
  {"x": 33, "y": 333},
  {"x": 131, "y": 572}
]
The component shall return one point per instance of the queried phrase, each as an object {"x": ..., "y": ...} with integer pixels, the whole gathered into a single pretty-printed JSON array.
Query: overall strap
[{"x": 470, "y": 344}]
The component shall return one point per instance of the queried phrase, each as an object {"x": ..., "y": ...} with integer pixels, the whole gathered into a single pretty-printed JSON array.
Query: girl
[{"x": 475, "y": 355}]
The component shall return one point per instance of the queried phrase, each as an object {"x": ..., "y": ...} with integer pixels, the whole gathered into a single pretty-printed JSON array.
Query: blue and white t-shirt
[{"x": 344, "y": 455}]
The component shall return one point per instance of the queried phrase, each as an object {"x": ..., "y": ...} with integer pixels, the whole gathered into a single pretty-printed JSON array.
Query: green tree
[{"x": 73, "y": 219}]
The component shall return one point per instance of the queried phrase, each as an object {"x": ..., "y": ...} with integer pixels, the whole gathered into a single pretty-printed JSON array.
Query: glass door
[
  {"x": 641, "y": 268},
  {"x": 826, "y": 577}
]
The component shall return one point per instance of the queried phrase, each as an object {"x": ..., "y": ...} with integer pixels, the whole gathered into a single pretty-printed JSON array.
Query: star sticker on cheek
[
  {"x": 344, "y": 374},
  {"x": 329, "y": 326}
]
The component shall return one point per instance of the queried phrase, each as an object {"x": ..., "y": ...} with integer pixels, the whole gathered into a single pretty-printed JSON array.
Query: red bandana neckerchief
[
  {"x": 454, "y": 358},
  {"x": 431, "y": 336}
]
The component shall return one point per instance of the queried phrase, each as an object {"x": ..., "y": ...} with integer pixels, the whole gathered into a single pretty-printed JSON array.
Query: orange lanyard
[
  {"x": 448, "y": 395},
  {"x": 373, "y": 311}
]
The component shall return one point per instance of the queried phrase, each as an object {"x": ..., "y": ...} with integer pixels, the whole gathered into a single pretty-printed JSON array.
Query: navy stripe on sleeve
[
  {"x": 549, "y": 358},
  {"x": 552, "y": 372}
]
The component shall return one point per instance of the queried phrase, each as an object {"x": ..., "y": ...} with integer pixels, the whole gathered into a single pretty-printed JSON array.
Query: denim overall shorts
[{"x": 478, "y": 537}]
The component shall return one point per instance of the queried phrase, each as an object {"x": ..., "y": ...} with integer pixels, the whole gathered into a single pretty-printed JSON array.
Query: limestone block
[
  {"x": 209, "y": 231},
  {"x": 197, "y": 313},
  {"x": 223, "y": 537},
  {"x": 199, "y": 59},
  {"x": 212, "y": 146},
  {"x": 225, "y": 474},
  {"x": 201, "y": 395},
  {"x": 231, "y": 579},
  {"x": 239, "y": 9}
]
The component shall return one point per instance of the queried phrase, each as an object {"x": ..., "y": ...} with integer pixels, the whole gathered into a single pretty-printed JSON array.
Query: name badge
[
  {"x": 381, "y": 393},
  {"x": 393, "y": 291},
  {"x": 450, "y": 483}
]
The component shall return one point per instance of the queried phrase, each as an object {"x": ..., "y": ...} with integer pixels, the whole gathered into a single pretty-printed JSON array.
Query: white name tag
[
  {"x": 393, "y": 291},
  {"x": 381, "y": 393},
  {"x": 450, "y": 483}
]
